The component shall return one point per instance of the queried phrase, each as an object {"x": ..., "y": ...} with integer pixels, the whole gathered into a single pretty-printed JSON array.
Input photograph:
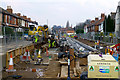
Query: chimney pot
[
  {"x": 96, "y": 19},
  {"x": 9, "y": 9},
  {"x": 92, "y": 21},
  {"x": 102, "y": 15}
]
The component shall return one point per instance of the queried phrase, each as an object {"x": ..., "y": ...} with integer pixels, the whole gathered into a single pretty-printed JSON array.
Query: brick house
[
  {"x": 68, "y": 31},
  {"x": 14, "y": 20},
  {"x": 95, "y": 25}
]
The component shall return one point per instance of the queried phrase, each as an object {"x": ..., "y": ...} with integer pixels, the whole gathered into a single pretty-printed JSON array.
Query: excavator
[{"x": 41, "y": 32}]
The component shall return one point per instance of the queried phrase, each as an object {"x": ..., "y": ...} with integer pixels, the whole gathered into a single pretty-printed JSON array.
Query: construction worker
[
  {"x": 72, "y": 36},
  {"x": 49, "y": 43},
  {"x": 107, "y": 50},
  {"x": 69, "y": 35},
  {"x": 53, "y": 44},
  {"x": 95, "y": 44},
  {"x": 36, "y": 39}
]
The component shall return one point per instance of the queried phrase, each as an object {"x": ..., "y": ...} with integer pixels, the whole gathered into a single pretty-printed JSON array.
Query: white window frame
[
  {"x": 15, "y": 21},
  {"x": 6, "y": 19}
]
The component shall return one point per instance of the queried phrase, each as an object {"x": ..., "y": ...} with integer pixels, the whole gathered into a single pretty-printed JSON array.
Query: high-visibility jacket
[
  {"x": 49, "y": 43},
  {"x": 53, "y": 43},
  {"x": 69, "y": 35},
  {"x": 36, "y": 39}
]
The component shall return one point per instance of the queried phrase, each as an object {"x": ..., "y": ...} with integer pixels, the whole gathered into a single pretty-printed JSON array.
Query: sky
[{"x": 58, "y": 12}]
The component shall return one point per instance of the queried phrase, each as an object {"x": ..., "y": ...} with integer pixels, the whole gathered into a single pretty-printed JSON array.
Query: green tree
[
  {"x": 110, "y": 24},
  {"x": 79, "y": 31}
]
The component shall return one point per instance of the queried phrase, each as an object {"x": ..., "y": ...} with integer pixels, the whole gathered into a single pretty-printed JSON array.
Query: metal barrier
[{"x": 103, "y": 37}]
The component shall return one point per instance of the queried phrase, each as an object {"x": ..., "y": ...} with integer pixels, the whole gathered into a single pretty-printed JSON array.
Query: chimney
[
  {"x": 29, "y": 19},
  {"x": 9, "y": 9},
  {"x": 25, "y": 17},
  {"x": 96, "y": 19},
  {"x": 18, "y": 14},
  {"x": 119, "y": 3},
  {"x": 92, "y": 21},
  {"x": 102, "y": 15}
]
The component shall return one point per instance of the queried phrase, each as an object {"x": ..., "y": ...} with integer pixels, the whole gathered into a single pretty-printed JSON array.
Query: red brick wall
[
  {"x": 70, "y": 31},
  {"x": 10, "y": 19},
  {"x": 16, "y": 21},
  {"x": 10, "y": 10},
  {"x": 96, "y": 28}
]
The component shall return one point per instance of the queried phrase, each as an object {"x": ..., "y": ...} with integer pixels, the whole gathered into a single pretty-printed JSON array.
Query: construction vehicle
[{"x": 41, "y": 32}]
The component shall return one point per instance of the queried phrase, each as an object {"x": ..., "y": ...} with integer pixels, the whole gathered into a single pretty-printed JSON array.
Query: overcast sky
[{"x": 59, "y": 11}]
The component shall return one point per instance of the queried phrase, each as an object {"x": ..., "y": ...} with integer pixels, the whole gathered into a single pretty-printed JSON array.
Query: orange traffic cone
[
  {"x": 11, "y": 69},
  {"x": 25, "y": 55},
  {"x": 29, "y": 56},
  {"x": 46, "y": 51}
]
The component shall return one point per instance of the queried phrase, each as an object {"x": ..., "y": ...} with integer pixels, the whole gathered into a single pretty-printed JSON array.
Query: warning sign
[
  {"x": 116, "y": 68},
  {"x": 91, "y": 68}
]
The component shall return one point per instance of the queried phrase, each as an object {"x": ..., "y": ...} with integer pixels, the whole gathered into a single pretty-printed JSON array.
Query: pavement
[{"x": 14, "y": 45}]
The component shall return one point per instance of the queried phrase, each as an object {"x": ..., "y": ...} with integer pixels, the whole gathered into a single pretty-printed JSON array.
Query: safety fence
[
  {"x": 103, "y": 37},
  {"x": 16, "y": 53}
]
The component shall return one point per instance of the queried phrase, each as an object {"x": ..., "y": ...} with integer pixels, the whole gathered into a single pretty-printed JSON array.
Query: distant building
[
  {"x": 113, "y": 15},
  {"x": 82, "y": 24},
  {"x": 55, "y": 29},
  {"x": 68, "y": 31},
  {"x": 117, "y": 21},
  {"x": 67, "y": 24}
]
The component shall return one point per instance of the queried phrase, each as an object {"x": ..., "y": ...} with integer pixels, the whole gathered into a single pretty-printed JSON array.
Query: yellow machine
[
  {"x": 41, "y": 31},
  {"x": 34, "y": 31}
]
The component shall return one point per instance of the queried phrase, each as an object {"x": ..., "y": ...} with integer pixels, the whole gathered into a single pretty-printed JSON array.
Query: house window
[
  {"x": 6, "y": 18},
  {"x": 118, "y": 9},
  {"x": 3, "y": 18},
  {"x": 9, "y": 20},
  {"x": 14, "y": 20}
]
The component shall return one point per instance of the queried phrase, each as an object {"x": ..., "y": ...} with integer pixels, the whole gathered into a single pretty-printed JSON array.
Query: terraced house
[
  {"x": 14, "y": 20},
  {"x": 95, "y": 25}
]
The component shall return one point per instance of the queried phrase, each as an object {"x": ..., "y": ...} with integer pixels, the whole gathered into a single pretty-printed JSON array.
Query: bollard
[{"x": 72, "y": 62}]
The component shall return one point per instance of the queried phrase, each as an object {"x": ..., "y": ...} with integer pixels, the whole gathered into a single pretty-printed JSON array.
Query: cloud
[{"x": 59, "y": 11}]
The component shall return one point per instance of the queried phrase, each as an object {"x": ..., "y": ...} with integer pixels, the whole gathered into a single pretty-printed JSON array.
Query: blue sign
[
  {"x": 104, "y": 70},
  {"x": 115, "y": 56}
]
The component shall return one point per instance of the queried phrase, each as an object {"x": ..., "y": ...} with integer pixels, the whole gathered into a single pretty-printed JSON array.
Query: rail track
[{"x": 80, "y": 47}]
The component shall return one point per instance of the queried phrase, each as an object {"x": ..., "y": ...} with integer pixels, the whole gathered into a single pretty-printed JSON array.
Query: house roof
[
  {"x": 100, "y": 21},
  {"x": 67, "y": 29},
  {"x": 96, "y": 22},
  {"x": 14, "y": 15}
]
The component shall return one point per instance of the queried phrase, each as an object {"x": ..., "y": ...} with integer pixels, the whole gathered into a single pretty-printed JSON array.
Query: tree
[
  {"x": 109, "y": 23},
  {"x": 79, "y": 31}
]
